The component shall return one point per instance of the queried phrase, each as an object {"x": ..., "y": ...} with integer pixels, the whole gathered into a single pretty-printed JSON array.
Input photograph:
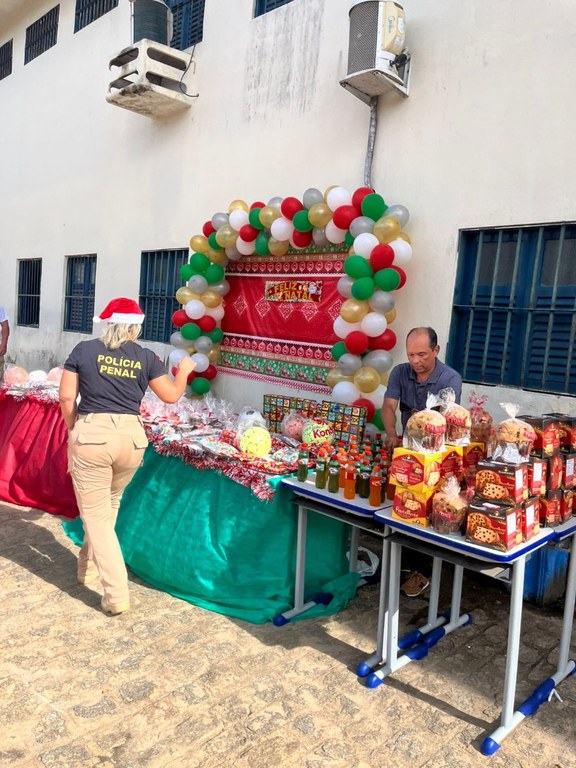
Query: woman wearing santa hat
[{"x": 106, "y": 440}]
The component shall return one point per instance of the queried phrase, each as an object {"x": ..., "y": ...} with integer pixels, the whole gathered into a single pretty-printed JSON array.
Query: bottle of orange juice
[{"x": 350, "y": 480}]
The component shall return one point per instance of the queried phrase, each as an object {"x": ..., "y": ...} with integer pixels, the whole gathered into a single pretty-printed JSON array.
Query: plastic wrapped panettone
[
  {"x": 449, "y": 508},
  {"x": 292, "y": 425},
  {"x": 513, "y": 438},
  {"x": 458, "y": 420},
  {"x": 481, "y": 419},
  {"x": 425, "y": 430}
]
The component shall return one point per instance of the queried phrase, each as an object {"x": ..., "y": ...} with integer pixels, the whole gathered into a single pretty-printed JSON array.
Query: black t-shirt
[{"x": 113, "y": 380}]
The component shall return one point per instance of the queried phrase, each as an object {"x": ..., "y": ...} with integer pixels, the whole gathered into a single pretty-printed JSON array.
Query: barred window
[
  {"x": 188, "y": 20},
  {"x": 29, "y": 279},
  {"x": 514, "y": 314},
  {"x": 159, "y": 281},
  {"x": 263, "y": 6},
  {"x": 41, "y": 35},
  {"x": 88, "y": 11},
  {"x": 6, "y": 60},
  {"x": 79, "y": 297}
]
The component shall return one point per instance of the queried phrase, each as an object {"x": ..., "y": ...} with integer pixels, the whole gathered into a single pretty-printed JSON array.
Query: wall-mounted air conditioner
[{"x": 377, "y": 59}]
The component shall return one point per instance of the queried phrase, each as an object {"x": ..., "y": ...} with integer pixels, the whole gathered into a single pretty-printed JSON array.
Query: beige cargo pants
[{"x": 104, "y": 452}]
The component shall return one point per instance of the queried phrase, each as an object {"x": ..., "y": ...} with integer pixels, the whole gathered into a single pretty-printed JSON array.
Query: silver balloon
[
  {"x": 381, "y": 301},
  {"x": 198, "y": 284},
  {"x": 344, "y": 286},
  {"x": 319, "y": 236},
  {"x": 275, "y": 202},
  {"x": 178, "y": 341},
  {"x": 361, "y": 224},
  {"x": 349, "y": 364},
  {"x": 219, "y": 219},
  {"x": 379, "y": 359},
  {"x": 221, "y": 288},
  {"x": 233, "y": 253},
  {"x": 399, "y": 212},
  {"x": 311, "y": 197},
  {"x": 204, "y": 344}
]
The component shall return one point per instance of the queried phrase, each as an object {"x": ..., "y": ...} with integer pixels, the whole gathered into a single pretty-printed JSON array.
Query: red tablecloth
[{"x": 33, "y": 462}]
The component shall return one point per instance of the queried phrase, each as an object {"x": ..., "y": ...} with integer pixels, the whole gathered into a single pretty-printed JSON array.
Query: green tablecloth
[{"x": 204, "y": 538}]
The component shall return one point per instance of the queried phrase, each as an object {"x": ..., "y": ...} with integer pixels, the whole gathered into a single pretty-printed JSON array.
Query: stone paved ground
[{"x": 169, "y": 685}]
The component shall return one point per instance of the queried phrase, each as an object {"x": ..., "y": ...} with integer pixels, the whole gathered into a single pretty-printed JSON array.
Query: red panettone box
[
  {"x": 566, "y": 505},
  {"x": 494, "y": 525},
  {"x": 530, "y": 522},
  {"x": 451, "y": 465},
  {"x": 547, "y": 442},
  {"x": 537, "y": 474},
  {"x": 472, "y": 454},
  {"x": 502, "y": 483},
  {"x": 550, "y": 514},
  {"x": 567, "y": 430},
  {"x": 416, "y": 470},
  {"x": 554, "y": 473}
]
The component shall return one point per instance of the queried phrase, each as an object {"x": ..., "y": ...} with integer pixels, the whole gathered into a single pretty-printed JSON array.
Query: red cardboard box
[
  {"x": 494, "y": 525},
  {"x": 547, "y": 442},
  {"x": 530, "y": 524},
  {"x": 472, "y": 454},
  {"x": 415, "y": 470},
  {"x": 550, "y": 514},
  {"x": 567, "y": 505},
  {"x": 554, "y": 473},
  {"x": 502, "y": 483},
  {"x": 412, "y": 507},
  {"x": 567, "y": 430},
  {"x": 451, "y": 465},
  {"x": 537, "y": 474}
]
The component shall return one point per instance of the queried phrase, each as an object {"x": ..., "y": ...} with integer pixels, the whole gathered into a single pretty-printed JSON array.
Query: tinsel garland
[{"x": 45, "y": 396}]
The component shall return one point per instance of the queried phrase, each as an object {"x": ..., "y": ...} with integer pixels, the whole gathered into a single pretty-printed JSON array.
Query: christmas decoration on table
[
  {"x": 38, "y": 384},
  {"x": 346, "y": 420},
  {"x": 315, "y": 432},
  {"x": 276, "y": 407}
]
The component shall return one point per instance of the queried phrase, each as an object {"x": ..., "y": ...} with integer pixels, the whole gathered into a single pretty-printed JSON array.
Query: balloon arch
[{"x": 379, "y": 250}]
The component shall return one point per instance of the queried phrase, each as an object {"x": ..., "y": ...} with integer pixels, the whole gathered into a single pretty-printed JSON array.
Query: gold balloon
[
  {"x": 335, "y": 375},
  {"x": 184, "y": 295},
  {"x": 390, "y": 316},
  {"x": 216, "y": 256},
  {"x": 236, "y": 205},
  {"x": 384, "y": 377},
  {"x": 191, "y": 350},
  {"x": 268, "y": 215},
  {"x": 404, "y": 236},
  {"x": 211, "y": 299},
  {"x": 367, "y": 379},
  {"x": 386, "y": 229},
  {"x": 319, "y": 214},
  {"x": 278, "y": 247},
  {"x": 226, "y": 236},
  {"x": 214, "y": 353},
  {"x": 354, "y": 310},
  {"x": 199, "y": 243}
]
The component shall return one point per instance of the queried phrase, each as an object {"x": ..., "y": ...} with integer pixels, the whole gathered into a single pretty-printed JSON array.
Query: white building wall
[{"x": 483, "y": 140}]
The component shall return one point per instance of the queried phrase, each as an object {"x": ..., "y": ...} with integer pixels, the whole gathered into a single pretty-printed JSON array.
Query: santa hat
[{"x": 121, "y": 311}]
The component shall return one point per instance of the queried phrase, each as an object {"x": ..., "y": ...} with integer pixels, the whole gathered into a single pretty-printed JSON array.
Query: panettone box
[
  {"x": 550, "y": 503},
  {"x": 567, "y": 430},
  {"x": 566, "y": 505},
  {"x": 537, "y": 474},
  {"x": 411, "y": 506},
  {"x": 451, "y": 465},
  {"x": 530, "y": 518},
  {"x": 494, "y": 525},
  {"x": 547, "y": 442},
  {"x": 554, "y": 472},
  {"x": 472, "y": 454},
  {"x": 569, "y": 469},
  {"x": 502, "y": 483},
  {"x": 420, "y": 472}
]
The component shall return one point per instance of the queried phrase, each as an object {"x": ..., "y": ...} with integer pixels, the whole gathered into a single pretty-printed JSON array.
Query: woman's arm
[
  {"x": 69, "y": 387},
  {"x": 168, "y": 390}
]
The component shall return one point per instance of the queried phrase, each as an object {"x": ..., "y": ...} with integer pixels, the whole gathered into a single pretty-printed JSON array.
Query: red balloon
[
  {"x": 210, "y": 372},
  {"x": 402, "y": 277},
  {"x": 356, "y": 342},
  {"x": 206, "y": 323},
  {"x": 359, "y": 195},
  {"x": 381, "y": 257},
  {"x": 289, "y": 206},
  {"x": 191, "y": 377},
  {"x": 386, "y": 340},
  {"x": 248, "y": 233},
  {"x": 301, "y": 239},
  {"x": 257, "y": 204},
  {"x": 344, "y": 215},
  {"x": 180, "y": 318},
  {"x": 207, "y": 228},
  {"x": 363, "y": 402}
]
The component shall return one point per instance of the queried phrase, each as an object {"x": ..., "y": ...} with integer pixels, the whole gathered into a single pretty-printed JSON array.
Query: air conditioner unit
[{"x": 377, "y": 59}]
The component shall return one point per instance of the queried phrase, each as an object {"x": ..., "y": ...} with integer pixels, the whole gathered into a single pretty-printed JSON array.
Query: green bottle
[
  {"x": 334, "y": 476},
  {"x": 302, "y": 469},
  {"x": 321, "y": 470}
]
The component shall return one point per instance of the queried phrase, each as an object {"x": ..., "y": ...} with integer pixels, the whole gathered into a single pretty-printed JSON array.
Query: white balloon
[
  {"x": 37, "y": 376},
  {"x": 238, "y": 218},
  {"x": 245, "y": 248},
  {"x": 342, "y": 328},
  {"x": 344, "y": 286},
  {"x": 334, "y": 234},
  {"x": 365, "y": 243},
  {"x": 402, "y": 252},
  {"x": 338, "y": 196},
  {"x": 216, "y": 312},
  {"x": 178, "y": 341},
  {"x": 201, "y": 361},
  {"x": 373, "y": 324},
  {"x": 281, "y": 229},
  {"x": 174, "y": 358},
  {"x": 345, "y": 392},
  {"x": 195, "y": 309},
  {"x": 376, "y": 396}
]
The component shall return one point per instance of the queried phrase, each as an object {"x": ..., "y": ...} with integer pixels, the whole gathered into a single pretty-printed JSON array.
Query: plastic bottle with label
[
  {"x": 333, "y": 476},
  {"x": 321, "y": 470},
  {"x": 302, "y": 469},
  {"x": 375, "y": 497},
  {"x": 350, "y": 481},
  {"x": 364, "y": 480}
]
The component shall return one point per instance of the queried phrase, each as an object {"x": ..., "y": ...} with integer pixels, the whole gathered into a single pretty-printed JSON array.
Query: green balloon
[
  {"x": 349, "y": 239},
  {"x": 262, "y": 245},
  {"x": 338, "y": 350},
  {"x": 302, "y": 222},
  {"x": 216, "y": 335},
  {"x": 186, "y": 272},
  {"x": 387, "y": 279},
  {"x": 363, "y": 288},
  {"x": 373, "y": 205},
  {"x": 357, "y": 266},
  {"x": 191, "y": 331},
  {"x": 214, "y": 273},
  {"x": 200, "y": 385},
  {"x": 213, "y": 243},
  {"x": 377, "y": 420},
  {"x": 254, "y": 218},
  {"x": 199, "y": 262}
]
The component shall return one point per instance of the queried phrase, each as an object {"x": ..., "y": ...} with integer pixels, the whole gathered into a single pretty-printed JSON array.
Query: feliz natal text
[
  {"x": 294, "y": 290},
  {"x": 112, "y": 366}
]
